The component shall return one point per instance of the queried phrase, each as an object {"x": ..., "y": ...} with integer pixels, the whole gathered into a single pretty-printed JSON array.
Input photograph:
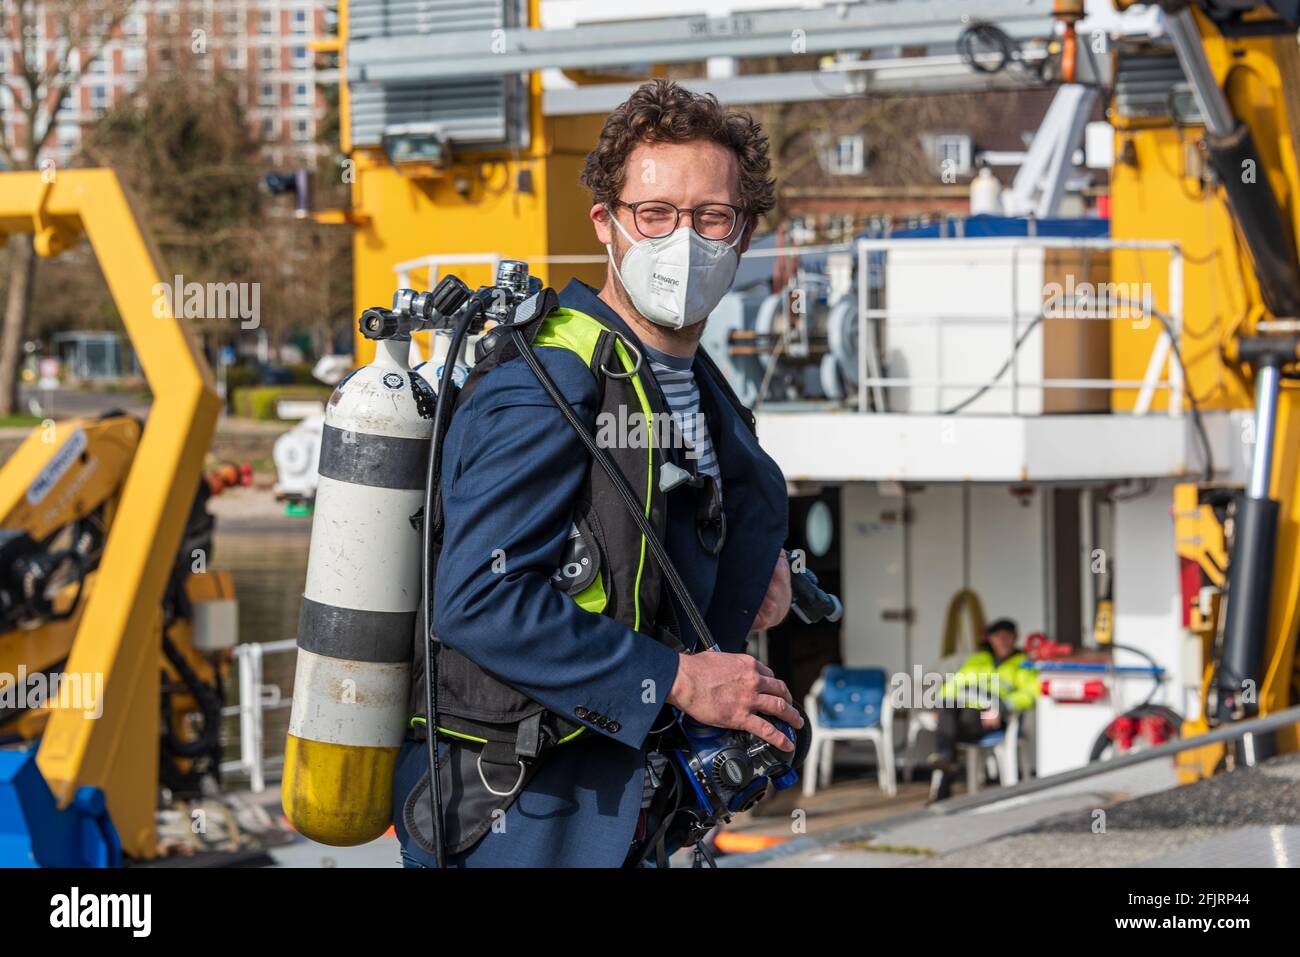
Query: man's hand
[
  {"x": 776, "y": 603},
  {"x": 733, "y": 691},
  {"x": 991, "y": 718}
]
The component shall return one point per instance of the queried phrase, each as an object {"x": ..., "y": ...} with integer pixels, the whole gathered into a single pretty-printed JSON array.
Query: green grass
[{"x": 18, "y": 421}]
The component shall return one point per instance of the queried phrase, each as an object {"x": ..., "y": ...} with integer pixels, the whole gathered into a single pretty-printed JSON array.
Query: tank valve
[{"x": 416, "y": 311}]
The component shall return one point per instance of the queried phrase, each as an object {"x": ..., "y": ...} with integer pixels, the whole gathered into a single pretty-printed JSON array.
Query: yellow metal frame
[
  {"x": 1157, "y": 195},
  {"x": 474, "y": 206},
  {"x": 118, "y": 634}
]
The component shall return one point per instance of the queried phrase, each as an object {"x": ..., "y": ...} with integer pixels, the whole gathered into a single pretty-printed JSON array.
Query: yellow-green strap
[{"x": 416, "y": 720}]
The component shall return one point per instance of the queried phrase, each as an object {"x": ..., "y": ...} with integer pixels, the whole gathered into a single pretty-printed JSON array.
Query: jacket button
[
  {"x": 614, "y": 727},
  {"x": 581, "y": 712}
]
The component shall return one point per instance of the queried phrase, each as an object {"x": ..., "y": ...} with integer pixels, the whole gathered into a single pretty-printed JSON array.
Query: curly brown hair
[{"x": 660, "y": 111}]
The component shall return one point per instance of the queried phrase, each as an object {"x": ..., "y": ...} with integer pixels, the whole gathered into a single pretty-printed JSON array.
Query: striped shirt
[{"x": 677, "y": 381}]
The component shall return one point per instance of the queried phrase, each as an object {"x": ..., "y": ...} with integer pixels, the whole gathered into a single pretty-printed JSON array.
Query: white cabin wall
[
  {"x": 937, "y": 532},
  {"x": 872, "y": 563},
  {"x": 1148, "y": 613},
  {"x": 948, "y": 317},
  {"x": 1008, "y": 555}
]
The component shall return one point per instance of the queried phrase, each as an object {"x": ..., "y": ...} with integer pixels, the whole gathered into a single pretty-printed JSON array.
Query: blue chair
[{"x": 849, "y": 704}]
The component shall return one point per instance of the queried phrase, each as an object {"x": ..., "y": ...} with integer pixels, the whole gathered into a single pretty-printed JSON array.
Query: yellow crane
[
  {"x": 1225, "y": 183},
  {"x": 99, "y": 600}
]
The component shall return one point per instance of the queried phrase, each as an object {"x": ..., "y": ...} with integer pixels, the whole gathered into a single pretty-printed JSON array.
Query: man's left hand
[{"x": 776, "y": 604}]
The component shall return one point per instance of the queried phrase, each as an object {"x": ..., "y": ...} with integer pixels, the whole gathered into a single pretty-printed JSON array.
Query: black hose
[
  {"x": 209, "y": 702},
  {"x": 984, "y": 37},
  {"x": 441, "y": 413},
  {"x": 1155, "y": 670},
  {"x": 997, "y": 375},
  {"x": 1164, "y": 320},
  {"x": 71, "y": 554}
]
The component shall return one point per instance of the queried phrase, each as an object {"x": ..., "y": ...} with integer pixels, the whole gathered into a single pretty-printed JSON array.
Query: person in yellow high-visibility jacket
[{"x": 988, "y": 688}]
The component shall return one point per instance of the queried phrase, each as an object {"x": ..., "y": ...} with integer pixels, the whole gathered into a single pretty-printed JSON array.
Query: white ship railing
[
  {"x": 871, "y": 380},
  {"x": 256, "y": 698}
]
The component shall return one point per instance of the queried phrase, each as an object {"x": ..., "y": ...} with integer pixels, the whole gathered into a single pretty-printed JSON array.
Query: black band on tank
[
  {"x": 353, "y": 634},
  {"x": 380, "y": 461}
]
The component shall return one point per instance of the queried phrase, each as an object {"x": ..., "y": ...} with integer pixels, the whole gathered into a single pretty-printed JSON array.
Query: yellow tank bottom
[{"x": 338, "y": 794}]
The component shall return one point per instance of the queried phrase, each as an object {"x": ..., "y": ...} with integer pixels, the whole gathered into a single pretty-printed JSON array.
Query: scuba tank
[
  {"x": 359, "y": 606},
  {"x": 430, "y": 369}
]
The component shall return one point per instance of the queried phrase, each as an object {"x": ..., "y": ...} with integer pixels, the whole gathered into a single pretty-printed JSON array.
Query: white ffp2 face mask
[{"x": 677, "y": 280}]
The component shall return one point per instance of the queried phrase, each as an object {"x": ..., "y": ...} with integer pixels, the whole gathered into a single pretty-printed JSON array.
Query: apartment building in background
[{"x": 262, "y": 44}]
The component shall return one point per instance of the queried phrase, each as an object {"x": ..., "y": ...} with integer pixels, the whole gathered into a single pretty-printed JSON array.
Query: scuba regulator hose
[{"x": 432, "y": 496}]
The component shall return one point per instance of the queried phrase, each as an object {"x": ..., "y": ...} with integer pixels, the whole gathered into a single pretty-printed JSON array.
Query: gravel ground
[
  {"x": 1173, "y": 826},
  {"x": 1269, "y": 794}
]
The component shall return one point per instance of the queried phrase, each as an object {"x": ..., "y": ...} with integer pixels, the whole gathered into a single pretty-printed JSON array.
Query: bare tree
[{"x": 54, "y": 43}]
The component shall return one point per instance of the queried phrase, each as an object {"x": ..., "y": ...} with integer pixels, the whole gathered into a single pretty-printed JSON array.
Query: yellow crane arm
[{"x": 115, "y": 745}]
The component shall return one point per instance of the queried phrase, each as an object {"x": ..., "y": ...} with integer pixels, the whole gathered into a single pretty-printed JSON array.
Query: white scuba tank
[{"x": 353, "y": 677}]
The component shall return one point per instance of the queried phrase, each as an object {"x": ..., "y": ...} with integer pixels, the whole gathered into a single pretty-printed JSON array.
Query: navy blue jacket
[{"x": 512, "y": 472}]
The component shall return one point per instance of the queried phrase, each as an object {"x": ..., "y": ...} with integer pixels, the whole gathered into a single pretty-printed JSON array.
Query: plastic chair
[
  {"x": 849, "y": 704},
  {"x": 1002, "y": 747}
]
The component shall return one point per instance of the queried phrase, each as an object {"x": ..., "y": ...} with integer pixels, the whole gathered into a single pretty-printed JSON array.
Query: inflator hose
[{"x": 441, "y": 411}]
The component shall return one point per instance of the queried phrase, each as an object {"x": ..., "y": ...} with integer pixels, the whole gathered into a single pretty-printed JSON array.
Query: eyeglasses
[{"x": 656, "y": 219}]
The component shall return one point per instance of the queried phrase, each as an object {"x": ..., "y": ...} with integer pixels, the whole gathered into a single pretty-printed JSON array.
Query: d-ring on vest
[{"x": 499, "y": 735}]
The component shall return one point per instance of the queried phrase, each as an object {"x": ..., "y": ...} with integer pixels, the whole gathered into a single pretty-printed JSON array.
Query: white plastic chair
[
  {"x": 1001, "y": 747},
  {"x": 819, "y": 765}
]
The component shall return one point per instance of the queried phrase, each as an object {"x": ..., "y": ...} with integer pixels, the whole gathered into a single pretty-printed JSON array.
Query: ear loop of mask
[{"x": 609, "y": 247}]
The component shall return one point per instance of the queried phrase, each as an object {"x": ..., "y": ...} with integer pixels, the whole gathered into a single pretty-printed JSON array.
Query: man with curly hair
[{"x": 555, "y": 622}]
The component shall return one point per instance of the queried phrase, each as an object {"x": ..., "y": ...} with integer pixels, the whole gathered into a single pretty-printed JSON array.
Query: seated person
[{"x": 978, "y": 699}]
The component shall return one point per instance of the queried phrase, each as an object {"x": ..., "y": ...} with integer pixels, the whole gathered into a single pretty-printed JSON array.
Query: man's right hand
[{"x": 734, "y": 691}]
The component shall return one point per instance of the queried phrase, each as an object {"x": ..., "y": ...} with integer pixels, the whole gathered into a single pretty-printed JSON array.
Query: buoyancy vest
[{"x": 499, "y": 735}]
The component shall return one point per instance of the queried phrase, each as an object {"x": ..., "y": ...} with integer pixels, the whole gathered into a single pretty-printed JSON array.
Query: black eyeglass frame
[{"x": 740, "y": 211}]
